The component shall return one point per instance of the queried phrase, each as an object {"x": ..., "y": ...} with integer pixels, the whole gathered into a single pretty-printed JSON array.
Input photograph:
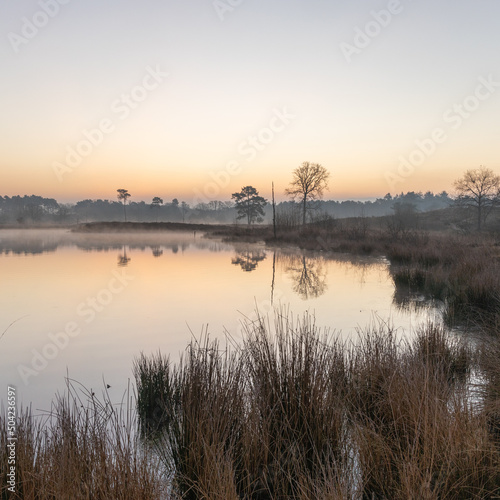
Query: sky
[{"x": 194, "y": 100}]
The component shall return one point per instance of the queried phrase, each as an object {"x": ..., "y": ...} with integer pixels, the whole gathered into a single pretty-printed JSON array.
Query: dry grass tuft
[{"x": 83, "y": 449}]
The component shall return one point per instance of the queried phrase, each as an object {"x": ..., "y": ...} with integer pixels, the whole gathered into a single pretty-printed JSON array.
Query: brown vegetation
[
  {"x": 85, "y": 448},
  {"x": 462, "y": 270},
  {"x": 293, "y": 413}
]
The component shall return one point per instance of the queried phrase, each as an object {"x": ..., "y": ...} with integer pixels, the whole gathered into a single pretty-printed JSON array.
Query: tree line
[
  {"x": 37, "y": 209},
  {"x": 477, "y": 193}
]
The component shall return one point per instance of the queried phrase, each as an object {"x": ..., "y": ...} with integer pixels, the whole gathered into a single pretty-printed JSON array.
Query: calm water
[{"x": 88, "y": 304}]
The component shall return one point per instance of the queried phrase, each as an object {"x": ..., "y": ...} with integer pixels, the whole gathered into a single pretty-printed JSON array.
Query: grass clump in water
[{"x": 292, "y": 412}]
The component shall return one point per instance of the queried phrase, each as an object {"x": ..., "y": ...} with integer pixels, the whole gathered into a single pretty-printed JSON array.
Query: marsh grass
[
  {"x": 417, "y": 433},
  {"x": 154, "y": 387},
  {"x": 291, "y": 412},
  {"x": 464, "y": 273},
  {"x": 84, "y": 448},
  {"x": 297, "y": 378}
]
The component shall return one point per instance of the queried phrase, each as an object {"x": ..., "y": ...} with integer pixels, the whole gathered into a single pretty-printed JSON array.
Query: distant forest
[{"x": 36, "y": 209}]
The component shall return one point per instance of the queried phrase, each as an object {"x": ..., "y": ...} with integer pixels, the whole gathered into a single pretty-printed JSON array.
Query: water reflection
[
  {"x": 408, "y": 300},
  {"x": 38, "y": 241},
  {"x": 26, "y": 246},
  {"x": 248, "y": 259},
  {"x": 158, "y": 251},
  {"x": 123, "y": 259},
  {"x": 308, "y": 275},
  {"x": 209, "y": 283}
]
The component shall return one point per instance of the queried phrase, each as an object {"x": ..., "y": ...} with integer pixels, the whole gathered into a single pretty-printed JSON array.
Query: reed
[
  {"x": 417, "y": 433},
  {"x": 84, "y": 448},
  {"x": 289, "y": 412},
  {"x": 292, "y": 412}
]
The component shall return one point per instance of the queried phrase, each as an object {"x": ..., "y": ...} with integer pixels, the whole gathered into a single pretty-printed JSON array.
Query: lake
[{"x": 85, "y": 305}]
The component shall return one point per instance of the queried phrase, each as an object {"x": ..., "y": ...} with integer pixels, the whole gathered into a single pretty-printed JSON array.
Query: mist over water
[{"x": 87, "y": 304}]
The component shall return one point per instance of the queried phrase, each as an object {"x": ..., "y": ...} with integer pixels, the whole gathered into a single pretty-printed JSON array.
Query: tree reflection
[
  {"x": 308, "y": 275},
  {"x": 248, "y": 259},
  {"x": 34, "y": 242},
  {"x": 157, "y": 251},
  {"x": 123, "y": 260}
]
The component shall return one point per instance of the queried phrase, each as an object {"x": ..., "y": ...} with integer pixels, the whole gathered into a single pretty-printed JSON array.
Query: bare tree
[
  {"x": 478, "y": 189},
  {"x": 309, "y": 182},
  {"x": 123, "y": 195}
]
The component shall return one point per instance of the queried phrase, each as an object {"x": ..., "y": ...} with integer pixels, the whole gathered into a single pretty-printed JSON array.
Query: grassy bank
[
  {"x": 462, "y": 270},
  {"x": 132, "y": 227}
]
